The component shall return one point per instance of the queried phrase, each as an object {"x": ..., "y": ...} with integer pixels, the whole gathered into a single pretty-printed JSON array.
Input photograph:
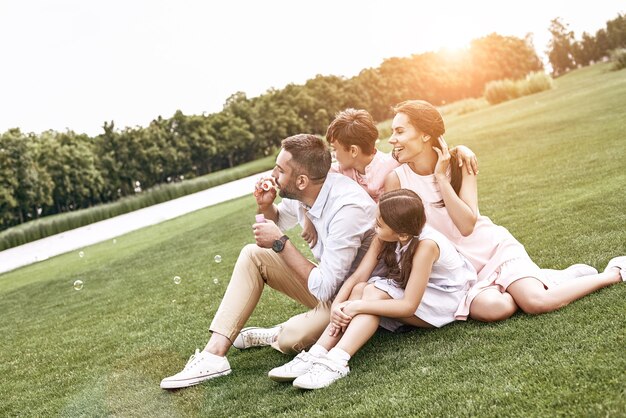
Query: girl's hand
[
  {"x": 466, "y": 156},
  {"x": 334, "y": 331},
  {"x": 338, "y": 317},
  {"x": 443, "y": 160},
  {"x": 351, "y": 309}
]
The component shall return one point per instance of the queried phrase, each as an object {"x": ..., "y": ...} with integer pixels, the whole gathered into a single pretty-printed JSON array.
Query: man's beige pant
[{"x": 255, "y": 268}]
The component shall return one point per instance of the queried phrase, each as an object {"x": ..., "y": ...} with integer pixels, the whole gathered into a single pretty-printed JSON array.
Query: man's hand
[
  {"x": 265, "y": 233},
  {"x": 265, "y": 192}
]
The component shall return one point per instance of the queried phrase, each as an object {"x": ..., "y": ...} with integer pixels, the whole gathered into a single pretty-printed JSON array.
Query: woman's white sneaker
[
  {"x": 573, "y": 271},
  {"x": 301, "y": 364},
  {"x": 620, "y": 264},
  {"x": 201, "y": 366},
  {"x": 323, "y": 373}
]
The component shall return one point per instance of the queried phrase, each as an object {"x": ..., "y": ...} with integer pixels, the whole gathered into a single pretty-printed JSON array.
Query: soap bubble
[
  {"x": 215, "y": 281},
  {"x": 81, "y": 254},
  {"x": 217, "y": 258},
  {"x": 177, "y": 279},
  {"x": 78, "y": 285}
]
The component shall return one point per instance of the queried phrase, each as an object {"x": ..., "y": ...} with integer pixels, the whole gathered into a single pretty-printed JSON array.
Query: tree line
[
  {"x": 55, "y": 172},
  {"x": 565, "y": 52}
]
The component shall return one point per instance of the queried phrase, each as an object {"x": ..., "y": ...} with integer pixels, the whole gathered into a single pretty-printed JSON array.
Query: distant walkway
[{"x": 110, "y": 228}]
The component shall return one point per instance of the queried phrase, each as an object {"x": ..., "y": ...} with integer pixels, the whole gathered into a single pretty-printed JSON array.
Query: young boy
[{"x": 352, "y": 136}]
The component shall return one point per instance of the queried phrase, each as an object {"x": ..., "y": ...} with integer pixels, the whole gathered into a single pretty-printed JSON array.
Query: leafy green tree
[
  {"x": 9, "y": 182},
  {"x": 373, "y": 94},
  {"x": 274, "y": 119},
  {"x": 195, "y": 136},
  {"x": 24, "y": 184},
  {"x": 602, "y": 45},
  {"x": 233, "y": 132},
  {"x": 121, "y": 161},
  {"x": 497, "y": 57},
  {"x": 584, "y": 50},
  {"x": 616, "y": 32},
  {"x": 70, "y": 161},
  {"x": 561, "y": 47},
  {"x": 396, "y": 73}
]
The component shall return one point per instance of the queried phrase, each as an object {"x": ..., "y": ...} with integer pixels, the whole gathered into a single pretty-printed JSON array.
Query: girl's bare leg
[
  {"x": 326, "y": 340},
  {"x": 362, "y": 326}
]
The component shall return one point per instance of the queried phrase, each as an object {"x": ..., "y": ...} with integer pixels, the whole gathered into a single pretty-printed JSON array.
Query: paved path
[{"x": 110, "y": 228}]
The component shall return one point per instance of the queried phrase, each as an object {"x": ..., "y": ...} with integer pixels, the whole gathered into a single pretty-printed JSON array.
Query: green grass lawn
[{"x": 551, "y": 170}]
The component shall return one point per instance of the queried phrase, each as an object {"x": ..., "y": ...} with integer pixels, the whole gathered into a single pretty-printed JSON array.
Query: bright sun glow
[{"x": 198, "y": 53}]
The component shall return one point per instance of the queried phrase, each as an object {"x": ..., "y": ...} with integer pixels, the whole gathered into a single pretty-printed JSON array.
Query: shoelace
[
  {"x": 256, "y": 338},
  {"x": 192, "y": 359}
]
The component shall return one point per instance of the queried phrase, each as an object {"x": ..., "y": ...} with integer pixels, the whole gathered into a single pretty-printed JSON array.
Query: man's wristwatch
[{"x": 279, "y": 244}]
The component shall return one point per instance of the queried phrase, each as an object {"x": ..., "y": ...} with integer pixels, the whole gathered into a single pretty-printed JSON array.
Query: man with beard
[{"x": 343, "y": 215}]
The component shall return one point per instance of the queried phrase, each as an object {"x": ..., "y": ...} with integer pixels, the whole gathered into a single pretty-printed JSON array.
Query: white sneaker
[
  {"x": 200, "y": 367},
  {"x": 573, "y": 271},
  {"x": 256, "y": 337},
  {"x": 301, "y": 364},
  {"x": 323, "y": 373},
  {"x": 620, "y": 264}
]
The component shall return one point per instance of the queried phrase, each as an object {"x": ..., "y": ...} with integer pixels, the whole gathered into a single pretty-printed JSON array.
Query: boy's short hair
[{"x": 353, "y": 127}]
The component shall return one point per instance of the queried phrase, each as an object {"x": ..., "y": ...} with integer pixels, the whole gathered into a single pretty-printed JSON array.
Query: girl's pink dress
[{"x": 496, "y": 255}]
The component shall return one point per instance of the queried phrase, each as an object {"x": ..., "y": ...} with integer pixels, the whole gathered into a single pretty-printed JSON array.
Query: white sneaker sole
[
  {"x": 185, "y": 383},
  {"x": 283, "y": 378},
  {"x": 301, "y": 385}
]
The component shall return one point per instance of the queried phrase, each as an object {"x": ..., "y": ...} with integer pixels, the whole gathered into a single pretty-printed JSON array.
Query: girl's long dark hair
[
  {"x": 426, "y": 118},
  {"x": 402, "y": 210}
]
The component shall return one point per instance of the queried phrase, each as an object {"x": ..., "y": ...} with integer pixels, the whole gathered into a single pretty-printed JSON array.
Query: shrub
[
  {"x": 502, "y": 90},
  {"x": 464, "y": 106},
  {"x": 536, "y": 82},
  {"x": 618, "y": 58}
]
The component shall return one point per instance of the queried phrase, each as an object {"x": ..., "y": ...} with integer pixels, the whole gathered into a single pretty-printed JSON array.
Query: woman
[{"x": 507, "y": 277}]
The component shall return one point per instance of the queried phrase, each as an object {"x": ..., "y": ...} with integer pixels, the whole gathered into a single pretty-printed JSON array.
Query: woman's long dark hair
[
  {"x": 402, "y": 210},
  {"x": 426, "y": 118}
]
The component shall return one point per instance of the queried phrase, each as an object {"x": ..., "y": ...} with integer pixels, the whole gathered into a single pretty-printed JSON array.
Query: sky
[{"x": 73, "y": 64}]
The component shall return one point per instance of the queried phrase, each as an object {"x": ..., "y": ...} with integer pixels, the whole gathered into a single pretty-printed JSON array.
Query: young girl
[
  {"x": 425, "y": 280},
  {"x": 507, "y": 277}
]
